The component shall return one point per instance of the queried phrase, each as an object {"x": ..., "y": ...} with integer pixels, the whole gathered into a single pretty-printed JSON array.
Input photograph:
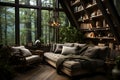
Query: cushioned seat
[
  {"x": 78, "y": 59},
  {"x": 52, "y": 56},
  {"x": 24, "y": 55},
  {"x": 74, "y": 64},
  {"x": 32, "y": 59}
]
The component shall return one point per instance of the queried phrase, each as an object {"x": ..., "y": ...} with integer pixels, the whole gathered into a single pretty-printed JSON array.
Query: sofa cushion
[
  {"x": 25, "y": 52},
  {"x": 69, "y": 44},
  {"x": 69, "y": 50},
  {"x": 53, "y": 47},
  {"x": 32, "y": 58},
  {"x": 82, "y": 49},
  {"x": 78, "y": 64},
  {"x": 103, "y": 53},
  {"x": 91, "y": 52},
  {"x": 58, "y": 48},
  {"x": 16, "y": 49},
  {"x": 72, "y": 64},
  {"x": 79, "y": 44},
  {"x": 52, "y": 56}
]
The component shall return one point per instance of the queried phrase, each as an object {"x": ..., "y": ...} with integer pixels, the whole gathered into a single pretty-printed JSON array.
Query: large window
[
  {"x": 8, "y": 1},
  {"x": 7, "y": 25},
  {"x": 27, "y": 21},
  {"x": 47, "y": 3},
  {"x": 28, "y": 2},
  {"x": 27, "y": 25}
]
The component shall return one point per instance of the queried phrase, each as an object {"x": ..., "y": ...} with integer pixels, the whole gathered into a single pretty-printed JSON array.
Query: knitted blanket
[{"x": 60, "y": 61}]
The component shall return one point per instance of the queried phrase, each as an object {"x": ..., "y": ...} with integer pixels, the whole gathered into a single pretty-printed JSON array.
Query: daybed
[{"x": 77, "y": 59}]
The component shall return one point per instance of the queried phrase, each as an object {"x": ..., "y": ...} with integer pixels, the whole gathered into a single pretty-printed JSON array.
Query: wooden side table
[{"x": 38, "y": 52}]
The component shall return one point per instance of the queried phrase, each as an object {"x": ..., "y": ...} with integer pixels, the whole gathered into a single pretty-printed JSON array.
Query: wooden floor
[{"x": 46, "y": 72}]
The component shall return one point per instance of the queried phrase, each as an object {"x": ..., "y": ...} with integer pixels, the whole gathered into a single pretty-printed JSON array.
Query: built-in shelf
[
  {"x": 96, "y": 29},
  {"x": 102, "y": 38},
  {"x": 75, "y": 3},
  {"x": 91, "y": 19}
]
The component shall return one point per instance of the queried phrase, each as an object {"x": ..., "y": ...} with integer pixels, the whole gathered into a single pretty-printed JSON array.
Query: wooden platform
[{"x": 46, "y": 72}]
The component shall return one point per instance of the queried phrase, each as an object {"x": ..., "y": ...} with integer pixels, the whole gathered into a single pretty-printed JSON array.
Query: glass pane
[
  {"x": 60, "y": 6},
  {"x": 47, "y": 3},
  {"x": 27, "y": 25},
  {"x": 7, "y": 25},
  {"x": 11, "y": 1},
  {"x": 45, "y": 27},
  {"x": 63, "y": 19},
  {"x": 28, "y": 2}
]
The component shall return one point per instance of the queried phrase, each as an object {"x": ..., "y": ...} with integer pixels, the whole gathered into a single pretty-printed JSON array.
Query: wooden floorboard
[{"x": 46, "y": 72}]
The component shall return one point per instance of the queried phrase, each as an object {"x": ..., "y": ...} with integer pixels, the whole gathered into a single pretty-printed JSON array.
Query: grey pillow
[
  {"x": 91, "y": 52},
  {"x": 25, "y": 52},
  {"x": 69, "y": 44},
  {"x": 104, "y": 52},
  {"x": 79, "y": 44},
  {"x": 16, "y": 49},
  {"x": 69, "y": 50},
  {"x": 58, "y": 48}
]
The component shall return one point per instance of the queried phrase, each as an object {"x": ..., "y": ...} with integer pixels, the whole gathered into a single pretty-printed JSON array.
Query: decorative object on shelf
[
  {"x": 94, "y": 14},
  {"x": 90, "y": 35},
  {"x": 91, "y": 19},
  {"x": 99, "y": 12},
  {"x": 98, "y": 24},
  {"x": 94, "y": 1}
]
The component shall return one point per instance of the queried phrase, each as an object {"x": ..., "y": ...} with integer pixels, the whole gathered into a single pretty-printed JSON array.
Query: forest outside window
[
  {"x": 7, "y": 25},
  {"x": 8, "y": 1},
  {"x": 28, "y": 2},
  {"x": 27, "y": 25}
]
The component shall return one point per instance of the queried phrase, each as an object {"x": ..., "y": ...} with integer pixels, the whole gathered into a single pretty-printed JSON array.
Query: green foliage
[{"x": 70, "y": 34}]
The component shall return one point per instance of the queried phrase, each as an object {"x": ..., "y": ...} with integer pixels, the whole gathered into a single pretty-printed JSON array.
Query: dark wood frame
[{"x": 17, "y": 27}]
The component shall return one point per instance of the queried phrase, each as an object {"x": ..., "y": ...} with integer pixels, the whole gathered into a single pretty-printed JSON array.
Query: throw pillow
[
  {"x": 69, "y": 50},
  {"x": 25, "y": 52},
  {"x": 16, "y": 49},
  {"x": 69, "y": 44},
  {"x": 91, "y": 52},
  {"x": 79, "y": 44},
  {"x": 81, "y": 51},
  {"x": 58, "y": 48},
  {"x": 104, "y": 51}
]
